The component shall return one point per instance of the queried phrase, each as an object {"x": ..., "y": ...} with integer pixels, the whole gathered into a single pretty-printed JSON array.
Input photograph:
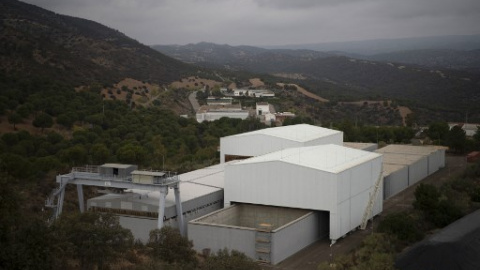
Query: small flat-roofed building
[
  {"x": 212, "y": 113},
  {"x": 148, "y": 177},
  {"x": 117, "y": 170},
  {"x": 268, "y": 140},
  {"x": 253, "y": 93}
]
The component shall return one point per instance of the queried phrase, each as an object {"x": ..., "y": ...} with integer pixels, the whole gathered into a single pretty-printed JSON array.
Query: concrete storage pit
[
  {"x": 267, "y": 234},
  {"x": 254, "y": 216}
]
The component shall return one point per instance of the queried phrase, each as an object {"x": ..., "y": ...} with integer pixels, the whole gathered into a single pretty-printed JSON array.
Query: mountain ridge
[{"x": 38, "y": 42}]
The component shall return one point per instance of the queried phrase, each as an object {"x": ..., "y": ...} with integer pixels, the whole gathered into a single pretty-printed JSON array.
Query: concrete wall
[
  {"x": 219, "y": 237},
  {"x": 293, "y": 237},
  {"x": 141, "y": 226}
]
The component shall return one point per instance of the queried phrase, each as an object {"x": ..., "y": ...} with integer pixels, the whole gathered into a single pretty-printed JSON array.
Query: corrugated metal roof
[
  {"x": 298, "y": 133},
  {"x": 361, "y": 146},
  {"x": 408, "y": 149},
  {"x": 401, "y": 159},
  {"x": 391, "y": 168},
  {"x": 331, "y": 158}
]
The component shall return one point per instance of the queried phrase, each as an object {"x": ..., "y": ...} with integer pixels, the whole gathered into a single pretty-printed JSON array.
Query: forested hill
[
  {"x": 343, "y": 78},
  {"x": 34, "y": 41},
  {"x": 253, "y": 59},
  {"x": 452, "y": 59}
]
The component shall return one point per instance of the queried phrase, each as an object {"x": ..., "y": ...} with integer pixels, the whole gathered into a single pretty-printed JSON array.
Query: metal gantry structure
[{"x": 134, "y": 179}]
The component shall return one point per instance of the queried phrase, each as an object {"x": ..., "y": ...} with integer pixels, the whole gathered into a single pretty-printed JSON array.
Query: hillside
[
  {"x": 37, "y": 42},
  {"x": 248, "y": 58},
  {"x": 341, "y": 78},
  {"x": 452, "y": 59},
  {"x": 380, "y": 46}
]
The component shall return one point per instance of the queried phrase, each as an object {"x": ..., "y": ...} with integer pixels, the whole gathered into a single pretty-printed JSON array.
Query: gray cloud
[{"x": 273, "y": 22}]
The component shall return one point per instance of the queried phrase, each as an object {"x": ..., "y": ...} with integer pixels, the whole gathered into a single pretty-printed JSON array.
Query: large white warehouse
[
  {"x": 260, "y": 142},
  {"x": 326, "y": 178},
  {"x": 332, "y": 184}
]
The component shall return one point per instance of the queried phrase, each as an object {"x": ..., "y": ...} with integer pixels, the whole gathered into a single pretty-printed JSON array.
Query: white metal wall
[
  {"x": 260, "y": 144},
  {"x": 295, "y": 236},
  {"x": 395, "y": 181}
]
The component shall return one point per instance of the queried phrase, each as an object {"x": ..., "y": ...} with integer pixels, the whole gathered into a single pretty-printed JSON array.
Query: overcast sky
[{"x": 274, "y": 22}]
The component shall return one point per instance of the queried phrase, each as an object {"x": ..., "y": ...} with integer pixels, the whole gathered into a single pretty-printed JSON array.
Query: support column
[
  {"x": 178, "y": 206},
  {"x": 81, "y": 202},
  {"x": 161, "y": 206},
  {"x": 60, "y": 198}
]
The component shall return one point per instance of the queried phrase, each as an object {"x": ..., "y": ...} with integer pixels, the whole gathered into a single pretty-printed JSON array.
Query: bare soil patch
[
  {"x": 256, "y": 82},
  {"x": 306, "y": 93}
]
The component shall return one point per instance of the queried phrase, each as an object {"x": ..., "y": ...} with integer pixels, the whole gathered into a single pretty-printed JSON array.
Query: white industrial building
[
  {"x": 334, "y": 183},
  {"x": 289, "y": 187},
  {"x": 253, "y": 93},
  {"x": 264, "y": 141}
]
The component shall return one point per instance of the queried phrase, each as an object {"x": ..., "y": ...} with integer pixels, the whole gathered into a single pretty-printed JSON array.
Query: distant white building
[
  {"x": 212, "y": 113},
  {"x": 281, "y": 116},
  {"x": 219, "y": 100},
  {"x": 470, "y": 129},
  {"x": 264, "y": 113},
  {"x": 253, "y": 93}
]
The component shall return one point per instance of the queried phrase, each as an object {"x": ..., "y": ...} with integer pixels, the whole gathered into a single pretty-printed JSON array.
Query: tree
[
  {"x": 100, "y": 153},
  {"x": 170, "y": 246},
  {"x": 456, "y": 139},
  {"x": 437, "y": 131},
  {"x": 14, "y": 118},
  {"x": 402, "y": 225},
  {"x": 233, "y": 260},
  {"x": 426, "y": 198},
  {"x": 95, "y": 239},
  {"x": 43, "y": 121}
]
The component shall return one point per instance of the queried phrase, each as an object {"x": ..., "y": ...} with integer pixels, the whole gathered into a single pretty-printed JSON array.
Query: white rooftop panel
[
  {"x": 298, "y": 133},
  {"x": 188, "y": 191},
  {"x": 331, "y": 158},
  {"x": 210, "y": 176}
]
